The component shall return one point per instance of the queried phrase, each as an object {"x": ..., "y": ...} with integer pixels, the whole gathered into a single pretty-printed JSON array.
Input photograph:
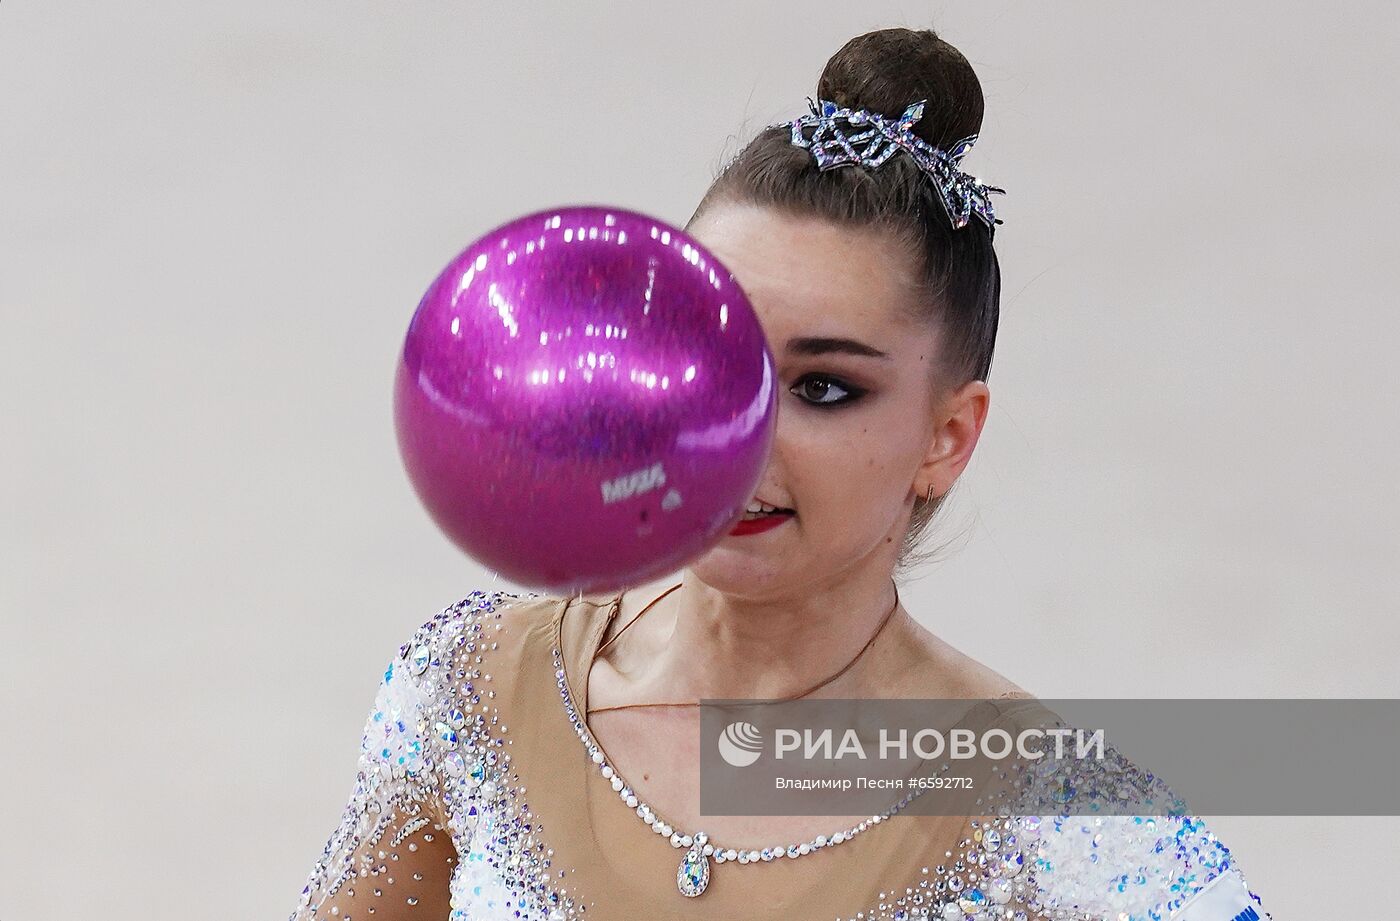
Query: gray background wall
[{"x": 216, "y": 219}]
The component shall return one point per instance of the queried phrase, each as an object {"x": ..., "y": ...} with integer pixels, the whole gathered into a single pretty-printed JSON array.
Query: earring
[{"x": 928, "y": 494}]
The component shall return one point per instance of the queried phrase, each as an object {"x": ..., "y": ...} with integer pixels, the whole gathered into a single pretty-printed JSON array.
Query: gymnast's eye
[{"x": 825, "y": 385}]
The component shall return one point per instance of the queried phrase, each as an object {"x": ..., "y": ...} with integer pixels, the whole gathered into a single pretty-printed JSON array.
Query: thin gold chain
[{"x": 617, "y": 608}]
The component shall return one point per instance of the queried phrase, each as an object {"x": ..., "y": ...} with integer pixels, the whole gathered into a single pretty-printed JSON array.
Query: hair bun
[{"x": 888, "y": 70}]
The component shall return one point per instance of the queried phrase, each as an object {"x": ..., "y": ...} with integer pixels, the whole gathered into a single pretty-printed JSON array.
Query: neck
[{"x": 698, "y": 642}]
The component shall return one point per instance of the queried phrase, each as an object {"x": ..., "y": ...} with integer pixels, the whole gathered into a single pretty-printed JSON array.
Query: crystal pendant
[{"x": 693, "y": 874}]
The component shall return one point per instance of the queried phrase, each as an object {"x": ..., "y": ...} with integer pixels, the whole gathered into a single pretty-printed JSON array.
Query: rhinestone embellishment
[{"x": 693, "y": 874}]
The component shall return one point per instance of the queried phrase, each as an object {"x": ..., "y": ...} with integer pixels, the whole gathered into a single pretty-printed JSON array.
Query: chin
[{"x": 737, "y": 571}]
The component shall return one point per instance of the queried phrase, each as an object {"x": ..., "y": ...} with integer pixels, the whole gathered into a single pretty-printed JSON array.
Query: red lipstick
[{"x": 762, "y": 523}]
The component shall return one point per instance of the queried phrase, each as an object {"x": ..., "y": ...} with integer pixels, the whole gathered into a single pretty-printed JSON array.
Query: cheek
[{"x": 837, "y": 468}]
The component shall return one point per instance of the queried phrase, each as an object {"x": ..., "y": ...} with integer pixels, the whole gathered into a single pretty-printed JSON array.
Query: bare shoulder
[{"x": 930, "y": 667}]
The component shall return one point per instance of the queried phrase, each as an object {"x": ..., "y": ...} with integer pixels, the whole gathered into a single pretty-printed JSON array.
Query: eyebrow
[{"x": 820, "y": 345}]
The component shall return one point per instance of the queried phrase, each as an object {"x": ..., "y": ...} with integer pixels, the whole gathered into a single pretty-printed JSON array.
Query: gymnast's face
[{"x": 859, "y": 426}]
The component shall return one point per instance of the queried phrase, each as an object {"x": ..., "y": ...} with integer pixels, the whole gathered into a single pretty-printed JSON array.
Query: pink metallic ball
[{"x": 585, "y": 400}]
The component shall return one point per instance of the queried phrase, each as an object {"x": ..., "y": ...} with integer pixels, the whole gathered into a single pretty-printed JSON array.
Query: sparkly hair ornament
[{"x": 830, "y": 133}]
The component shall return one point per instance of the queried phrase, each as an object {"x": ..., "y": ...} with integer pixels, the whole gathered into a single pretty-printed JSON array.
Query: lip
[{"x": 758, "y": 525}]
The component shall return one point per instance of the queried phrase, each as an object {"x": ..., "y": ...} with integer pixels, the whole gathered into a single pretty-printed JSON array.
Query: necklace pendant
[{"x": 693, "y": 874}]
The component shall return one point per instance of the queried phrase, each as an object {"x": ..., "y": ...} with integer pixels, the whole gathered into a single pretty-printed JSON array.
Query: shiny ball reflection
[{"x": 585, "y": 400}]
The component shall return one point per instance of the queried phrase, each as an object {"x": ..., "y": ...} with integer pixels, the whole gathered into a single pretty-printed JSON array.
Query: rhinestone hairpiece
[{"x": 834, "y": 142}]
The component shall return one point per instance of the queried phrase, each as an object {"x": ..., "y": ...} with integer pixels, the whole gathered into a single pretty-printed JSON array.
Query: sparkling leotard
[{"x": 475, "y": 800}]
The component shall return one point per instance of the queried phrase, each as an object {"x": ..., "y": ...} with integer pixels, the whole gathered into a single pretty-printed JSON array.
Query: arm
[
  {"x": 1097, "y": 868},
  {"x": 1136, "y": 867},
  {"x": 393, "y": 853},
  {"x": 400, "y": 865},
  {"x": 1123, "y": 846}
]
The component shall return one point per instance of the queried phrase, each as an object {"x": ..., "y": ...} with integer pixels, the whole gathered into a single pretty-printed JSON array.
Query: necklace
[{"x": 693, "y": 872}]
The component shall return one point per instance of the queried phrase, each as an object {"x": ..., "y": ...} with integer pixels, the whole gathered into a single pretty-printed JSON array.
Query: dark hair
[{"x": 885, "y": 72}]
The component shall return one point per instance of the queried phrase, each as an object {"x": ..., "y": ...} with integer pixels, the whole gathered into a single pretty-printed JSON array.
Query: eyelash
[{"x": 853, "y": 393}]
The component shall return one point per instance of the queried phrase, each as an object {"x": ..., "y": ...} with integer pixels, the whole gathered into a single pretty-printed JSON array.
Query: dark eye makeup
[{"x": 826, "y": 386}]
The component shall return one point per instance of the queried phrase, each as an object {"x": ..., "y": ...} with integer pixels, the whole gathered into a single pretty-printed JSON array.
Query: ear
[{"x": 958, "y": 425}]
